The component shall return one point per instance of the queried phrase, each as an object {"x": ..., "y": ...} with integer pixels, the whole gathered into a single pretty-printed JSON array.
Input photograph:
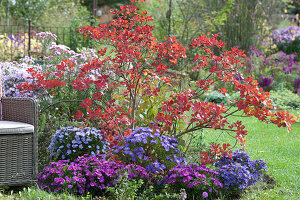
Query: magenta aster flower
[{"x": 265, "y": 81}]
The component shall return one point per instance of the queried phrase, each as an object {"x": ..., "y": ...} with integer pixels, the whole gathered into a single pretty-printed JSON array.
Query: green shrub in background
[
  {"x": 217, "y": 98},
  {"x": 23, "y": 10},
  {"x": 250, "y": 21},
  {"x": 71, "y": 15},
  {"x": 238, "y": 21},
  {"x": 56, "y": 16},
  {"x": 285, "y": 99}
]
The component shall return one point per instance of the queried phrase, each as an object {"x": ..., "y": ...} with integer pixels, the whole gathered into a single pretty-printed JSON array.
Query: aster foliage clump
[
  {"x": 150, "y": 149},
  {"x": 239, "y": 172},
  {"x": 70, "y": 142}
]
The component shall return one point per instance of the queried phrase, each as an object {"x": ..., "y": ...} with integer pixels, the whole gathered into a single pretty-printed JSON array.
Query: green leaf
[
  {"x": 151, "y": 113},
  {"x": 181, "y": 141}
]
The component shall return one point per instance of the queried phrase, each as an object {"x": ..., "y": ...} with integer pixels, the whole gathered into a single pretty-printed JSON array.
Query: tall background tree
[{"x": 23, "y": 10}]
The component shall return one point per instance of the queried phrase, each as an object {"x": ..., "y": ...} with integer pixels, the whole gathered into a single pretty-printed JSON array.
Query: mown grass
[
  {"x": 281, "y": 150},
  {"x": 34, "y": 193}
]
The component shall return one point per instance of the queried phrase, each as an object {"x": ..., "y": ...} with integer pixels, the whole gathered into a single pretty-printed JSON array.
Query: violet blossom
[{"x": 265, "y": 81}]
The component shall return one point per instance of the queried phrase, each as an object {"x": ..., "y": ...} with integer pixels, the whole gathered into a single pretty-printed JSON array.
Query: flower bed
[{"x": 110, "y": 97}]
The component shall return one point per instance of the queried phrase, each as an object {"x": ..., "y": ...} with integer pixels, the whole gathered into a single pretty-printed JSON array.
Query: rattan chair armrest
[{"x": 19, "y": 110}]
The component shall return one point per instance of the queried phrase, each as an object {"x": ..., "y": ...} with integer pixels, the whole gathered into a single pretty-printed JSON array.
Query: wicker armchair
[{"x": 18, "y": 141}]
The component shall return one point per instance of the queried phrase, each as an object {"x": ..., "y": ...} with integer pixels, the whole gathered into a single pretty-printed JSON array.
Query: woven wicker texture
[
  {"x": 16, "y": 159},
  {"x": 18, "y": 152},
  {"x": 19, "y": 110}
]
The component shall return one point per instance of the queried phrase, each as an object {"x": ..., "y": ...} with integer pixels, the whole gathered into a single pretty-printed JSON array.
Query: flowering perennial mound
[
  {"x": 280, "y": 60},
  {"x": 196, "y": 180},
  {"x": 273, "y": 71},
  {"x": 239, "y": 172},
  {"x": 265, "y": 81},
  {"x": 286, "y": 35},
  {"x": 87, "y": 174},
  {"x": 12, "y": 75},
  {"x": 70, "y": 142},
  {"x": 150, "y": 149}
]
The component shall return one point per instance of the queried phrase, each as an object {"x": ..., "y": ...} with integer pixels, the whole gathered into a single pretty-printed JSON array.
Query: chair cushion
[{"x": 9, "y": 127}]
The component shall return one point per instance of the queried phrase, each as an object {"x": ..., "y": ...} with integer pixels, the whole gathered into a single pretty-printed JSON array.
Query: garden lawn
[
  {"x": 281, "y": 151},
  {"x": 33, "y": 193}
]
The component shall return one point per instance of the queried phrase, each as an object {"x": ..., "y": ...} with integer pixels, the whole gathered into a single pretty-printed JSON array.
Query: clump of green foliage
[{"x": 285, "y": 99}]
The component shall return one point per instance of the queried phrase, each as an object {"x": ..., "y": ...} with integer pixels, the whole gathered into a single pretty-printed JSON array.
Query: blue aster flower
[
  {"x": 140, "y": 155},
  {"x": 153, "y": 141}
]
